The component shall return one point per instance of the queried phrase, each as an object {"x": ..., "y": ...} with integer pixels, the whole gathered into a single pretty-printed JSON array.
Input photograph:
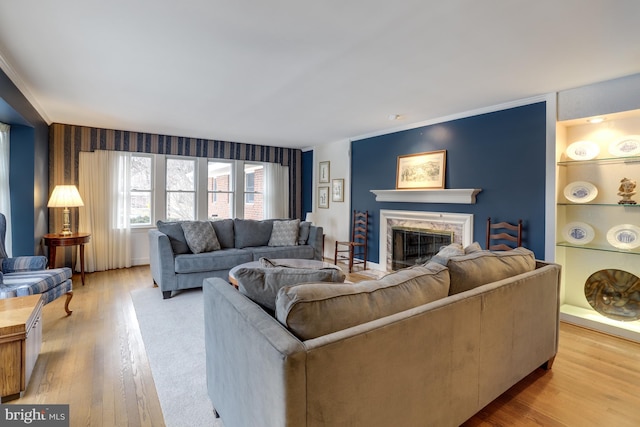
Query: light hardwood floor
[{"x": 94, "y": 360}]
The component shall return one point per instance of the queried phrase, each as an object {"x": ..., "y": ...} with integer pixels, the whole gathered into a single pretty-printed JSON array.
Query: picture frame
[
  {"x": 323, "y": 172},
  {"x": 323, "y": 197},
  {"x": 337, "y": 190},
  {"x": 421, "y": 170}
]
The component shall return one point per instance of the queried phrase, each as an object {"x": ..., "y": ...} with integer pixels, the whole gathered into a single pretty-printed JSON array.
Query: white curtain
[
  {"x": 276, "y": 191},
  {"x": 104, "y": 187},
  {"x": 5, "y": 200}
]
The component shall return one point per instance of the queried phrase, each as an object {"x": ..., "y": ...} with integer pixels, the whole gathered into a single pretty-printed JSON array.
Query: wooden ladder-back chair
[
  {"x": 355, "y": 250},
  {"x": 503, "y": 236}
]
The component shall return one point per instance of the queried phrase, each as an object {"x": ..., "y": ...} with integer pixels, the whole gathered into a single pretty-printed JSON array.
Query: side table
[
  {"x": 20, "y": 342},
  {"x": 54, "y": 240}
]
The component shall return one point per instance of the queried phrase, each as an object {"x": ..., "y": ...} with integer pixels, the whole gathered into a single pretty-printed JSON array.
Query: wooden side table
[
  {"x": 20, "y": 342},
  {"x": 54, "y": 240}
]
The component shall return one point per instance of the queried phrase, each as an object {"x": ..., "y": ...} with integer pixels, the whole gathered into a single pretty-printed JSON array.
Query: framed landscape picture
[
  {"x": 323, "y": 197},
  {"x": 323, "y": 172},
  {"x": 337, "y": 190},
  {"x": 421, "y": 170}
]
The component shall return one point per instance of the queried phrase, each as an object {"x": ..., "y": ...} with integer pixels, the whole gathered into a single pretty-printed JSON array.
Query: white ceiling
[{"x": 298, "y": 73}]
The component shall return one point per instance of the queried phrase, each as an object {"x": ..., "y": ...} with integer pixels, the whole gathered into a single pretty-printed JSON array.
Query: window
[
  {"x": 253, "y": 191},
  {"x": 181, "y": 189},
  {"x": 141, "y": 190}
]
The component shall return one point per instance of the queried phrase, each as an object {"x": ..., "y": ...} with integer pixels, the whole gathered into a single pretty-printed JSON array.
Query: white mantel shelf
[{"x": 455, "y": 195}]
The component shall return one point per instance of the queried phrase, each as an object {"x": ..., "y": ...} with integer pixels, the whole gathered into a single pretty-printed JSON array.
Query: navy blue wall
[
  {"x": 503, "y": 153},
  {"x": 307, "y": 182},
  {"x": 29, "y": 177}
]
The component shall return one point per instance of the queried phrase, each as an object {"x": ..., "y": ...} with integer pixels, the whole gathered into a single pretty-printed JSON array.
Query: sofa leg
[
  {"x": 166, "y": 294},
  {"x": 216, "y": 414},
  {"x": 547, "y": 365},
  {"x": 66, "y": 303}
]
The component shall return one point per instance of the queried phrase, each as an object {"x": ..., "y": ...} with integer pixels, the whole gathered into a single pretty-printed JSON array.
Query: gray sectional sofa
[
  {"x": 181, "y": 263},
  {"x": 425, "y": 346}
]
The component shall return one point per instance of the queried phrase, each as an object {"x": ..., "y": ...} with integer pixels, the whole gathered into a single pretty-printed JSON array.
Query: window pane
[
  {"x": 253, "y": 209},
  {"x": 140, "y": 208},
  {"x": 181, "y": 175},
  {"x": 140, "y": 173},
  {"x": 181, "y": 206},
  {"x": 253, "y": 187},
  {"x": 219, "y": 187}
]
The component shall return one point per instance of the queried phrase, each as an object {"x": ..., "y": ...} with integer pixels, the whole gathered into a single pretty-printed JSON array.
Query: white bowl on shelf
[{"x": 583, "y": 150}]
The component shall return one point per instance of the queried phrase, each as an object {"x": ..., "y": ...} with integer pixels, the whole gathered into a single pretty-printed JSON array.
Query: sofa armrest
[
  {"x": 316, "y": 240},
  {"x": 24, "y": 263},
  {"x": 162, "y": 261},
  {"x": 252, "y": 358}
]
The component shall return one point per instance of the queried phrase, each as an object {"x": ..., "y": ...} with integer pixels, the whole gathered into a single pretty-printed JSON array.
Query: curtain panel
[
  {"x": 104, "y": 188},
  {"x": 5, "y": 199}
]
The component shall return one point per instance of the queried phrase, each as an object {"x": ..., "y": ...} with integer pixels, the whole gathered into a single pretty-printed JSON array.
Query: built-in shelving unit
[
  {"x": 450, "y": 195},
  {"x": 580, "y": 261}
]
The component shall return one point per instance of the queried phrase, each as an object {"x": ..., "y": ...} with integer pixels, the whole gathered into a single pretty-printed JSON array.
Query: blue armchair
[{"x": 28, "y": 275}]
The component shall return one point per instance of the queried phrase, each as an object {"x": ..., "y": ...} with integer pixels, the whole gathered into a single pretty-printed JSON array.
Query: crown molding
[{"x": 23, "y": 87}]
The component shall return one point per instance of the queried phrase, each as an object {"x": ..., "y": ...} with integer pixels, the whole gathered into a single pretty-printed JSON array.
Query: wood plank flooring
[{"x": 95, "y": 361}]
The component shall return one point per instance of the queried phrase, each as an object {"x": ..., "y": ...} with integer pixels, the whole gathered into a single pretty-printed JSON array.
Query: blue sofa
[{"x": 175, "y": 267}]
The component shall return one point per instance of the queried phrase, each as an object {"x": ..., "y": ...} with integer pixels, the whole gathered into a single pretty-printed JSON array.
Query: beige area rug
[{"x": 173, "y": 335}]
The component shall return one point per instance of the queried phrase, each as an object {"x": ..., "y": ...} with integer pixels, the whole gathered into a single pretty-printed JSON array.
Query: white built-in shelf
[
  {"x": 456, "y": 195},
  {"x": 588, "y": 318}
]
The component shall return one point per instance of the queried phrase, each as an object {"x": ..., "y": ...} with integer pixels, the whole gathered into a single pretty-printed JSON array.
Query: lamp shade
[
  {"x": 65, "y": 196},
  {"x": 310, "y": 217}
]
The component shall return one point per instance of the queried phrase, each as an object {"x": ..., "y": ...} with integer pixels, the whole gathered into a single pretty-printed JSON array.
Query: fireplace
[
  {"x": 458, "y": 226},
  {"x": 411, "y": 246}
]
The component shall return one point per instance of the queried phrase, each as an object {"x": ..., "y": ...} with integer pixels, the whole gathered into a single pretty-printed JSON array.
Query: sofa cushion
[
  {"x": 313, "y": 310},
  {"x": 211, "y": 261},
  {"x": 479, "y": 268},
  {"x": 249, "y": 232},
  {"x": 303, "y": 233},
  {"x": 474, "y": 247},
  {"x": 300, "y": 252},
  {"x": 284, "y": 233},
  {"x": 261, "y": 284},
  {"x": 224, "y": 232},
  {"x": 173, "y": 230}
]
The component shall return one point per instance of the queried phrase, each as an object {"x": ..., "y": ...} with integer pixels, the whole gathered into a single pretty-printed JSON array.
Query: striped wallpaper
[{"x": 66, "y": 141}]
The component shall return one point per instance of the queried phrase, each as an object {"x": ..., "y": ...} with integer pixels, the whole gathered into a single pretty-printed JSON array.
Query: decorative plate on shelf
[
  {"x": 626, "y": 146},
  {"x": 614, "y": 294},
  {"x": 583, "y": 150},
  {"x": 578, "y": 233},
  {"x": 624, "y": 236},
  {"x": 580, "y": 192}
]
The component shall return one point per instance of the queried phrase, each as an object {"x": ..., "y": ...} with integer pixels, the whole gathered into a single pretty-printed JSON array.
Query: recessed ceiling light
[
  {"x": 596, "y": 120},
  {"x": 394, "y": 117}
]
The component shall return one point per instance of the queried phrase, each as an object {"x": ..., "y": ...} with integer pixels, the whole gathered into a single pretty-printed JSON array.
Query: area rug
[{"x": 173, "y": 335}]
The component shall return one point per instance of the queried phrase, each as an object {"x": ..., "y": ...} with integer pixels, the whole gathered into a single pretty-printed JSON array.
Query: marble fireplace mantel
[
  {"x": 460, "y": 223},
  {"x": 449, "y": 195}
]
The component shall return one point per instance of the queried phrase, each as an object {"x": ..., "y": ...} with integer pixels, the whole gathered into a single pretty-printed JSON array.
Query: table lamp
[{"x": 65, "y": 196}]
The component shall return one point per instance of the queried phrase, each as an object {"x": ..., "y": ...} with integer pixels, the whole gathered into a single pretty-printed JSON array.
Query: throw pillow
[
  {"x": 284, "y": 233},
  {"x": 313, "y": 310},
  {"x": 200, "y": 235},
  {"x": 261, "y": 285},
  {"x": 474, "y": 247},
  {"x": 174, "y": 231},
  {"x": 479, "y": 268},
  {"x": 446, "y": 252}
]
